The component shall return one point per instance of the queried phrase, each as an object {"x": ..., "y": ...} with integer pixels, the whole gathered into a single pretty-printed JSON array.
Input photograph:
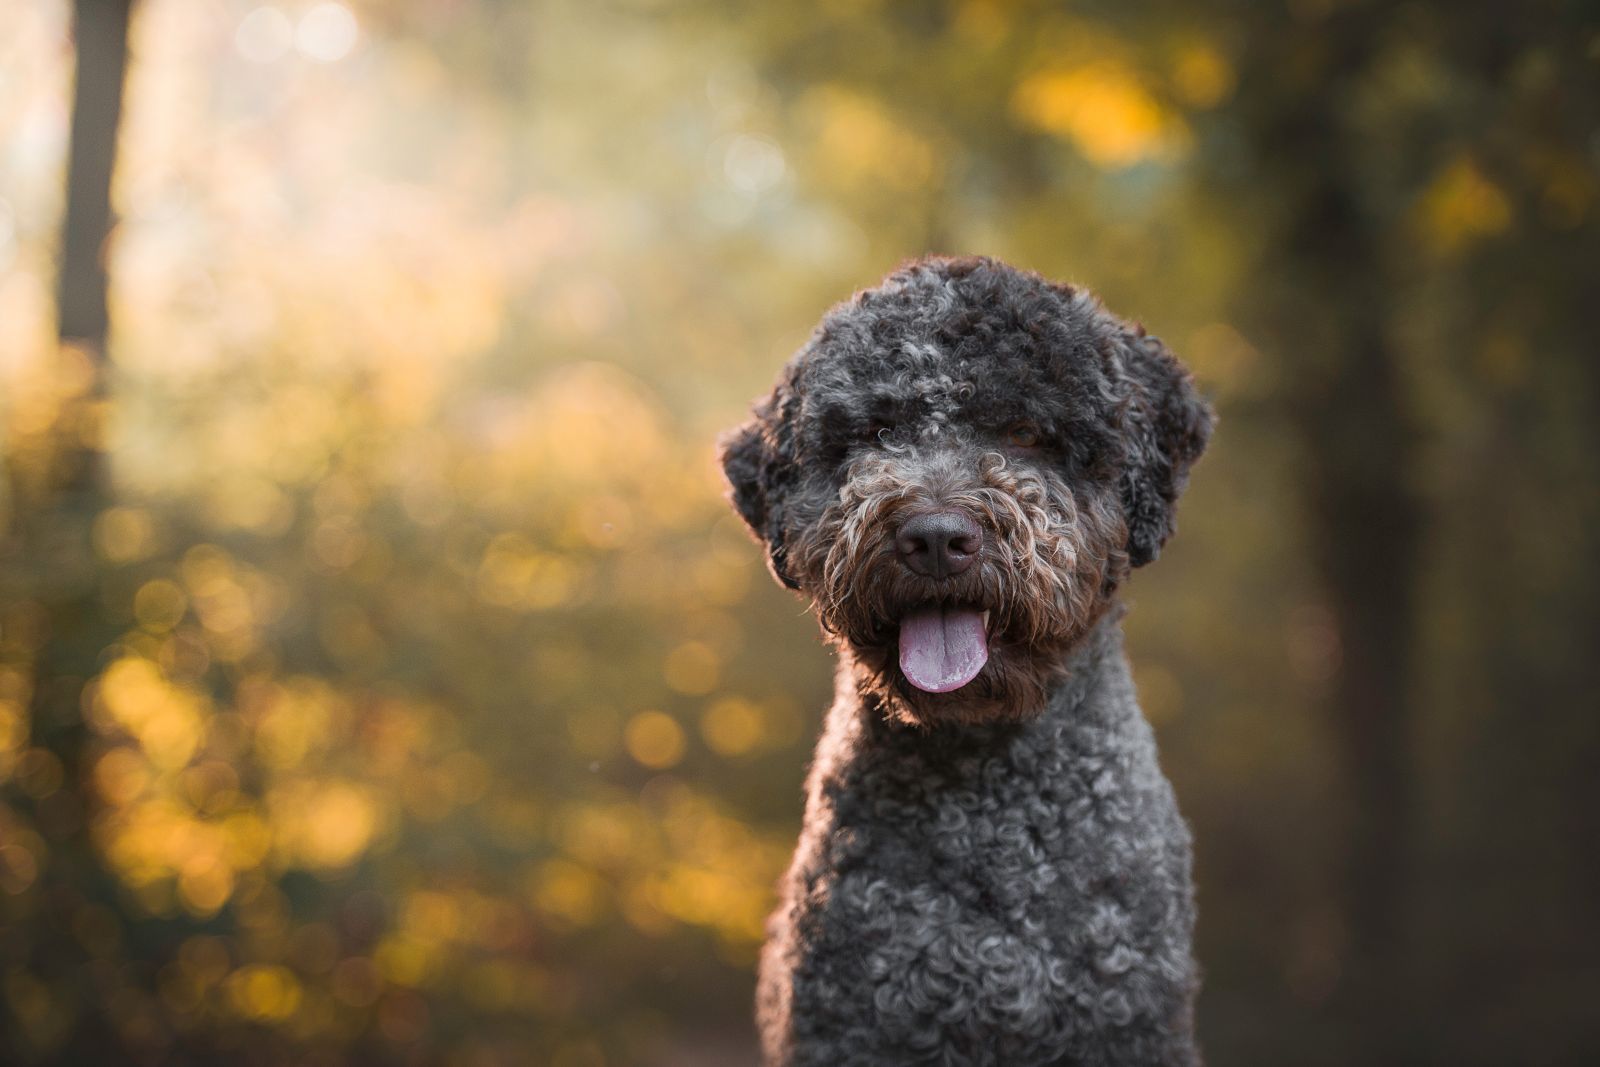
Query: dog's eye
[{"x": 1022, "y": 435}]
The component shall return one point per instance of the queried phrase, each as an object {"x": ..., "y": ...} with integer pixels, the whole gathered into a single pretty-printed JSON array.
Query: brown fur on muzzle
[{"x": 1050, "y": 562}]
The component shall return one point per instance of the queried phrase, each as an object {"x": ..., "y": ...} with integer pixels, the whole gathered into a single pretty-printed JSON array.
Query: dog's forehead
[{"x": 940, "y": 352}]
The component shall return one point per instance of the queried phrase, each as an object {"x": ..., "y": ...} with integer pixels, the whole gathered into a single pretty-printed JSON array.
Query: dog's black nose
[{"x": 939, "y": 544}]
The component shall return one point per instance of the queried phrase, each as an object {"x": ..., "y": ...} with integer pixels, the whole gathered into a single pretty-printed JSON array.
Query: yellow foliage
[
  {"x": 13, "y": 725},
  {"x": 692, "y": 668},
  {"x": 858, "y": 142},
  {"x": 165, "y": 719},
  {"x": 733, "y": 726},
  {"x": 568, "y": 891},
  {"x": 1221, "y": 356},
  {"x": 586, "y": 426},
  {"x": 515, "y": 574},
  {"x": 153, "y": 839},
  {"x": 263, "y": 992},
  {"x": 248, "y": 839},
  {"x": 1202, "y": 75},
  {"x": 654, "y": 739},
  {"x": 1105, "y": 110},
  {"x": 431, "y": 917},
  {"x": 294, "y": 719},
  {"x": 19, "y": 866},
  {"x": 159, "y": 605},
  {"x": 121, "y": 775},
  {"x": 124, "y": 534},
  {"x": 606, "y": 835},
  {"x": 1461, "y": 205},
  {"x": 982, "y": 21},
  {"x": 322, "y": 825},
  {"x": 204, "y": 883},
  {"x": 212, "y": 786}
]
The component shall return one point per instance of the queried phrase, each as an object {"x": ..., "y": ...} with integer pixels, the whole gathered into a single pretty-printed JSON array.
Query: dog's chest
[
  {"x": 1002, "y": 895},
  {"x": 1012, "y": 834}
]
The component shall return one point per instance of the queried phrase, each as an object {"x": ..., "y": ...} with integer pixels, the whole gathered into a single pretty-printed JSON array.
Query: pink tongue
[{"x": 942, "y": 648}]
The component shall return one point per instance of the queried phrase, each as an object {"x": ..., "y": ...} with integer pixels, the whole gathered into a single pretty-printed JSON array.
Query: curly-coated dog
[{"x": 960, "y": 468}]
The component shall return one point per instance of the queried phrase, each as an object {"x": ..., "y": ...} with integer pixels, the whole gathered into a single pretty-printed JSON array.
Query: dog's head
[{"x": 959, "y": 468}]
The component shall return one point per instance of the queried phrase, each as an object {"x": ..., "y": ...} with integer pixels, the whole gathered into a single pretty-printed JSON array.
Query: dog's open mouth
[{"x": 943, "y": 646}]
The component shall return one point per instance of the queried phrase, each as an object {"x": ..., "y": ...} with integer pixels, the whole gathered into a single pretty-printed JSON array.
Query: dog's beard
[{"x": 1049, "y": 565}]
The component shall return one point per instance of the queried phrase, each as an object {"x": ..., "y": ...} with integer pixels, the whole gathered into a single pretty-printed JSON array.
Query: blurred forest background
[{"x": 383, "y": 679}]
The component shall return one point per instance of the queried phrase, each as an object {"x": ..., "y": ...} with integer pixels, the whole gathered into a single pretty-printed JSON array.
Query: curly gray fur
[{"x": 999, "y": 874}]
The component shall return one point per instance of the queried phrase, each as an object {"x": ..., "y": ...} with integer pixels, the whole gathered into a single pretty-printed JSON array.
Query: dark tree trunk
[
  {"x": 1360, "y": 449},
  {"x": 56, "y": 523},
  {"x": 1330, "y": 303},
  {"x": 60, "y": 518},
  {"x": 102, "y": 43},
  {"x": 51, "y": 578},
  {"x": 1366, "y": 525}
]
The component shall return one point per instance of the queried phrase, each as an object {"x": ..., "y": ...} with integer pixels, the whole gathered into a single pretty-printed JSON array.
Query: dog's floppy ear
[
  {"x": 759, "y": 462},
  {"x": 1167, "y": 424}
]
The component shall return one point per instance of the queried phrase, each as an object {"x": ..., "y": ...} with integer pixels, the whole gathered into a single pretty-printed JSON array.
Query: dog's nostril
[{"x": 939, "y": 544}]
